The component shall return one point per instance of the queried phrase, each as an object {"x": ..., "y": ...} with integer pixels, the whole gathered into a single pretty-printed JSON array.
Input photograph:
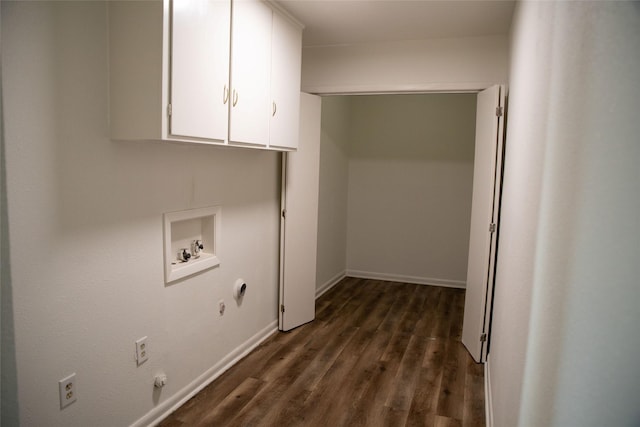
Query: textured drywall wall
[
  {"x": 564, "y": 340},
  {"x": 85, "y": 232},
  {"x": 332, "y": 204},
  {"x": 470, "y": 63},
  {"x": 410, "y": 185},
  {"x": 524, "y": 159}
]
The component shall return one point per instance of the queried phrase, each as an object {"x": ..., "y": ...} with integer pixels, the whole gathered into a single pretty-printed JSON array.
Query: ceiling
[{"x": 330, "y": 22}]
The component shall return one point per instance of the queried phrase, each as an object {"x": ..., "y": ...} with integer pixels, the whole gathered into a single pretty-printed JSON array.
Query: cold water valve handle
[{"x": 184, "y": 255}]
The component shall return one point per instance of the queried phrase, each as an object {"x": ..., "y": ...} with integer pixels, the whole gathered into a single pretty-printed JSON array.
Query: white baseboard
[
  {"x": 162, "y": 411},
  {"x": 407, "y": 279},
  {"x": 488, "y": 404},
  {"x": 330, "y": 284}
]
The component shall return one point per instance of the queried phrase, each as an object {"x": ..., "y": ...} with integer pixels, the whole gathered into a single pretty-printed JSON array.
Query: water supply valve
[
  {"x": 184, "y": 255},
  {"x": 196, "y": 248}
]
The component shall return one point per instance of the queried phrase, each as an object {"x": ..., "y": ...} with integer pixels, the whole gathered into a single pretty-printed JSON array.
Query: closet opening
[{"x": 396, "y": 177}]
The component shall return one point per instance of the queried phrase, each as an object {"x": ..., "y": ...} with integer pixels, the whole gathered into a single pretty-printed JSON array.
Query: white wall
[
  {"x": 4, "y": 254},
  {"x": 410, "y": 186},
  {"x": 523, "y": 164},
  {"x": 471, "y": 63},
  {"x": 564, "y": 339},
  {"x": 332, "y": 204},
  {"x": 85, "y": 223}
]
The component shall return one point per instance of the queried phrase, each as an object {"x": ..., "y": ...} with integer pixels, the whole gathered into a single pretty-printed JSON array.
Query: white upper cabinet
[
  {"x": 286, "y": 61},
  {"x": 250, "y": 72},
  {"x": 200, "y": 69},
  {"x": 204, "y": 71}
]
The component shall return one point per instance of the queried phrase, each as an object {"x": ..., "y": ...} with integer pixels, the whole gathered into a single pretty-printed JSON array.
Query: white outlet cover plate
[
  {"x": 142, "y": 353},
  {"x": 68, "y": 390}
]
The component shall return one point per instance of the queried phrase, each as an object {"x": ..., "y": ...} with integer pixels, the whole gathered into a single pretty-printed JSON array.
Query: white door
[
  {"x": 200, "y": 68},
  {"x": 286, "y": 59},
  {"x": 487, "y": 177},
  {"x": 299, "y": 227},
  {"x": 250, "y": 72}
]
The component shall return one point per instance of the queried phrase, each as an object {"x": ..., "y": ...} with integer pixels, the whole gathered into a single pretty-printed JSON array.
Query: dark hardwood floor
[{"x": 378, "y": 354}]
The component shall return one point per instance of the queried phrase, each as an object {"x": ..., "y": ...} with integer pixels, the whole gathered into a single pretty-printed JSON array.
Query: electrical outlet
[
  {"x": 142, "y": 353},
  {"x": 221, "y": 307},
  {"x": 68, "y": 392}
]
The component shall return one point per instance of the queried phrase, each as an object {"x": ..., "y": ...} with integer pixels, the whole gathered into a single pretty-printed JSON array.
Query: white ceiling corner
[{"x": 330, "y": 22}]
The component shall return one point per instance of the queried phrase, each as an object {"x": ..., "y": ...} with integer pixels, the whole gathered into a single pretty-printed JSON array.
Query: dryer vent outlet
[{"x": 239, "y": 289}]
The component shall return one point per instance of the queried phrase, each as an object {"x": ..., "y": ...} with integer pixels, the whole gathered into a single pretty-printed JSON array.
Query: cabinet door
[
  {"x": 286, "y": 60},
  {"x": 250, "y": 73},
  {"x": 200, "y": 68}
]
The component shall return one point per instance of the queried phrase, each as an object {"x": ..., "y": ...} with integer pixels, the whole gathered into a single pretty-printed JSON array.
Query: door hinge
[
  {"x": 499, "y": 111},
  {"x": 282, "y": 308},
  {"x": 483, "y": 337},
  {"x": 492, "y": 227},
  {"x": 169, "y": 110},
  {"x": 284, "y": 213}
]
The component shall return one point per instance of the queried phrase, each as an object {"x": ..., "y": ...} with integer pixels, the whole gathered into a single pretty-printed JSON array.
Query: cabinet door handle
[
  {"x": 235, "y": 98},
  {"x": 275, "y": 108},
  {"x": 225, "y": 94}
]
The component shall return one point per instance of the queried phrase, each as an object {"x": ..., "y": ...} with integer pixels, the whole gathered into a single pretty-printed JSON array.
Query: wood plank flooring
[{"x": 378, "y": 354}]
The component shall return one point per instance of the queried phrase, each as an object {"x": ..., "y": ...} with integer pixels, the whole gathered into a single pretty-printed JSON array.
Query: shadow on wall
[
  {"x": 414, "y": 127},
  {"x": 9, "y": 414}
]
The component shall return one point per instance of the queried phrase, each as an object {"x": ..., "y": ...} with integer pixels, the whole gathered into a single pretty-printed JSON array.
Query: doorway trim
[{"x": 400, "y": 89}]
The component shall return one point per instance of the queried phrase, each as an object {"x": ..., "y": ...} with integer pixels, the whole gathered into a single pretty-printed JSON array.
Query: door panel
[
  {"x": 286, "y": 59},
  {"x": 300, "y": 223},
  {"x": 484, "y": 212},
  {"x": 250, "y": 73},
  {"x": 200, "y": 68}
]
